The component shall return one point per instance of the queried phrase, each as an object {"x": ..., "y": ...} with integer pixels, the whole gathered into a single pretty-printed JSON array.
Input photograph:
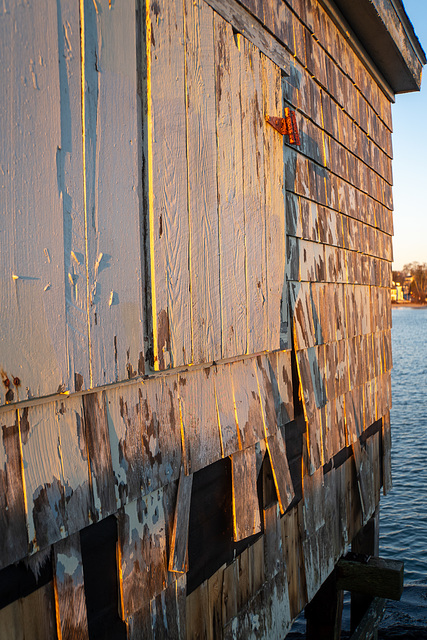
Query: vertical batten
[
  {"x": 253, "y": 124},
  {"x": 167, "y": 185},
  {"x": 109, "y": 82},
  {"x": 230, "y": 190},
  {"x": 202, "y": 182}
]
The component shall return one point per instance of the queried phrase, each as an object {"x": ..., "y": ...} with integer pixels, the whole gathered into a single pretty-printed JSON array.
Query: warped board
[{"x": 246, "y": 516}]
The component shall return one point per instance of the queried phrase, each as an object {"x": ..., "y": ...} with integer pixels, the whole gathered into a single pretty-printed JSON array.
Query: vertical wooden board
[
  {"x": 161, "y": 432},
  {"x": 112, "y": 217},
  {"x": 167, "y": 176},
  {"x": 291, "y": 525},
  {"x": 302, "y": 315},
  {"x": 273, "y": 552},
  {"x": 230, "y": 190},
  {"x": 142, "y": 551},
  {"x": 306, "y": 382},
  {"x": 75, "y": 464},
  {"x": 179, "y": 536},
  {"x": 197, "y": 605},
  {"x": 43, "y": 476},
  {"x": 274, "y": 206},
  {"x": 244, "y": 572},
  {"x": 226, "y": 411},
  {"x": 247, "y": 402},
  {"x": 30, "y": 617},
  {"x": 215, "y": 603},
  {"x": 246, "y": 516},
  {"x": 97, "y": 437},
  {"x": 293, "y": 215},
  {"x": 124, "y": 416},
  {"x": 342, "y": 370},
  {"x": 365, "y": 480},
  {"x": 386, "y": 452},
  {"x": 314, "y": 442},
  {"x": 331, "y": 359},
  {"x": 202, "y": 444},
  {"x": 13, "y": 528},
  {"x": 229, "y": 592},
  {"x": 253, "y": 131},
  {"x": 281, "y": 475},
  {"x": 256, "y": 560},
  {"x": 168, "y": 611},
  {"x": 69, "y": 589},
  {"x": 265, "y": 386},
  {"x": 139, "y": 625},
  {"x": 280, "y": 366},
  {"x": 202, "y": 182},
  {"x": 32, "y": 224}
]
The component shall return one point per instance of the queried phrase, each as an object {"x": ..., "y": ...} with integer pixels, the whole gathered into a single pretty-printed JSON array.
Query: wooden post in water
[
  {"x": 324, "y": 612},
  {"x": 365, "y": 542}
]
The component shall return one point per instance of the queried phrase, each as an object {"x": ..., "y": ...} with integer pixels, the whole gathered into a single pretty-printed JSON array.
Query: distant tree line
[{"x": 418, "y": 272}]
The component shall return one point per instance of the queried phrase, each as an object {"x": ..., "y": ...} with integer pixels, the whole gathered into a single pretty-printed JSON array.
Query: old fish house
[{"x": 196, "y": 245}]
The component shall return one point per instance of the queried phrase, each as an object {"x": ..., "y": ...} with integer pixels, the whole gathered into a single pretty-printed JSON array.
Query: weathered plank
[
  {"x": 111, "y": 190},
  {"x": 69, "y": 590},
  {"x": 247, "y": 402},
  {"x": 43, "y": 478},
  {"x": 243, "y": 22},
  {"x": 202, "y": 444},
  {"x": 142, "y": 551},
  {"x": 167, "y": 177},
  {"x": 386, "y": 450},
  {"x": 97, "y": 434},
  {"x": 179, "y": 535},
  {"x": 32, "y": 262},
  {"x": 277, "y": 298},
  {"x": 75, "y": 464},
  {"x": 365, "y": 479},
  {"x": 13, "y": 528},
  {"x": 246, "y": 516},
  {"x": 202, "y": 181},
  {"x": 280, "y": 368},
  {"x": 228, "y": 429},
  {"x": 292, "y": 534},
  {"x": 253, "y": 131},
  {"x": 273, "y": 552},
  {"x": 168, "y": 611},
  {"x": 30, "y": 617},
  {"x": 378, "y": 577},
  {"x": 276, "y": 448},
  {"x": 231, "y": 209}
]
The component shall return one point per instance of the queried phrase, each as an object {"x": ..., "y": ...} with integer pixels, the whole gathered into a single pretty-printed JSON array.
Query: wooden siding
[{"x": 182, "y": 286}]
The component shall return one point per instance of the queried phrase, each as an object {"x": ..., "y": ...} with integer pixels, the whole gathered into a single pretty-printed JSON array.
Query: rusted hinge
[{"x": 286, "y": 126}]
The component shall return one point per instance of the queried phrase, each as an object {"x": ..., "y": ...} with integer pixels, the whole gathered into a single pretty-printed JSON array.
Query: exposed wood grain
[
  {"x": 32, "y": 256},
  {"x": 75, "y": 464},
  {"x": 99, "y": 451},
  {"x": 42, "y": 464},
  {"x": 168, "y": 611},
  {"x": 268, "y": 405},
  {"x": 142, "y": 558},
  {"x": 253, "y": 129},
  {"x": 273, "y": 552},
  {"x": 365, "y": 479},
  {"x": 279, "y": 465},
  {"x": 202, "y": 182},
  {"x": 244, "y": 23},
  {"x": 69, "y": 589},
  {"x": 112, "y": 214},
  {"x": 13, "y": 528},
  {"x": 231, "y": 208},
  {"x": 179, "y": 535},
  {"x": 379, "y": 577},
  {"x": 246, "y": 516},
  {"x": 247, "y": 402},
  {"x": 198, "y": 624},
  {"x": 291, "y": 525},
  {"x": 30, "y": 617},
  {"x": 226, "y": 410},
  {"x": 386, "y": 449},
  {"x": 277, "y": 299},
  {"x": 167, "y": 175},
  {"x": 199, "y": 419},
  {"x": 281, "y": 381}
]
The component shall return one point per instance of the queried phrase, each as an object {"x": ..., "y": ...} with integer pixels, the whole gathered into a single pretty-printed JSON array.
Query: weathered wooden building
[{"x": 195, "y": 311}]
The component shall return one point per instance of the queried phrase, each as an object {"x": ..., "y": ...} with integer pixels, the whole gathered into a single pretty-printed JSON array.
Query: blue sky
[{"x": 410, "y": 159}]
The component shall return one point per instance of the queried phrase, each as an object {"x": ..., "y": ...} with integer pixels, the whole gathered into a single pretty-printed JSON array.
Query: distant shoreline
[{"x": 414, "y": 305}]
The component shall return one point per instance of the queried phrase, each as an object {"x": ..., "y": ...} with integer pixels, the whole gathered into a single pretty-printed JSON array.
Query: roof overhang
[{"x": 388, "y": 37}]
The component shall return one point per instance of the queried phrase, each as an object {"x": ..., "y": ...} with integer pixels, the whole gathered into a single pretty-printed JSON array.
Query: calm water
[
  {"x": 403, "y": 519},
  {"x": 403, "y": 516}
]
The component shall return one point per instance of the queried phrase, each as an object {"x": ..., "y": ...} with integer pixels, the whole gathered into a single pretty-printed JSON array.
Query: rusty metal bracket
[{"x": 286, "y": 126}]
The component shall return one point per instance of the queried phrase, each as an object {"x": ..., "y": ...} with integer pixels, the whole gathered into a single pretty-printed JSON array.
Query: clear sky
[{"x": 410, "y": 159}]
